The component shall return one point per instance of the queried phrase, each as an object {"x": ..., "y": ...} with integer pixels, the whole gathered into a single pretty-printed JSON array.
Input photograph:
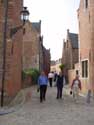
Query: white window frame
[{"x": 87, "y": 69}]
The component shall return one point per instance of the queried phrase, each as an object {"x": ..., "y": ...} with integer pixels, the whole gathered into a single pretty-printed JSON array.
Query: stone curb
[{"x": 4, "y": 111}]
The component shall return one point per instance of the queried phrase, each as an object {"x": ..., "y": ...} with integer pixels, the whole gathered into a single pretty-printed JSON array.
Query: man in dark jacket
[{"x": 60, "y": 85}]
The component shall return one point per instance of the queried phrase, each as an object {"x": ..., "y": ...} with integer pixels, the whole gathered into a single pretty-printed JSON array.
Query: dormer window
[{"x": 86, "y": 4}]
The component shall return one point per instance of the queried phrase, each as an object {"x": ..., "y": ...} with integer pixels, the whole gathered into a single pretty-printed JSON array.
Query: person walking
[
  {"x": 55, "y": 78},
  {"x": 60, "y": 81},
  {"x": 42, "y": 83},
  {"x": 76, "y": 86},
  {"x": 50, "y": 77}
]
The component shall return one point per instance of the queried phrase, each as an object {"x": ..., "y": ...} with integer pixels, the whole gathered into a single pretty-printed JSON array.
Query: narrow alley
[
  {"x": 52, "y": 111},
  {"x": 53, "y": 38}
]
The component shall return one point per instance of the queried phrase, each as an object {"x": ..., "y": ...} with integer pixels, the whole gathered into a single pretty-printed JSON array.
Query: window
[
  {"x": 86, "y": 3},
  {"x": 85, "y": 69}
]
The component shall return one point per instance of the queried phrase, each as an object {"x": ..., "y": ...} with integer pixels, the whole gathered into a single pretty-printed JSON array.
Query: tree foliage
[{"x": 62, "y": 66}]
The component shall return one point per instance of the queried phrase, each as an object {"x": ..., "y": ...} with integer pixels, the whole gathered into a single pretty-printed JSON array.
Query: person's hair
[{"x": 42, "y": 72}]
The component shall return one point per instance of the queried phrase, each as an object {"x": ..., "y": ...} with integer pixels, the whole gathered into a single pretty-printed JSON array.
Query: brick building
[
  {"x": 35, "y": 55},
  {"x": 41, "y": 62},
  {"x": 46, "y": 60},
  {"x": 13, "y": 49},
  {"x": 45, "y": 57},
  {"x": 86, "y": 36},
  {"x": 70, "y": 54},
  {"x": 31, "y": 45}
]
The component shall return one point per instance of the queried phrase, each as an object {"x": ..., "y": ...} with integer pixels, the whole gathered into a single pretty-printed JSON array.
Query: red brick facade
[
  {"x": 14, "y": 47},
  {"x": 31, "y": 44},
  {"x": 46, "y": 60},
  {"x": 35, "y": 55},
  {"x": 70, "y": 54},
  {"x": 86, "y": 36}
]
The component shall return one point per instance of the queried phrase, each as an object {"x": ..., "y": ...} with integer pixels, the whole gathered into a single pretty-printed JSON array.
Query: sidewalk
[{"x": 23, "y": 96}]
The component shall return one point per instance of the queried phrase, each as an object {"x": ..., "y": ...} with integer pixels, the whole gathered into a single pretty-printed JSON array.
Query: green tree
[{"x": 62, "y": 66}]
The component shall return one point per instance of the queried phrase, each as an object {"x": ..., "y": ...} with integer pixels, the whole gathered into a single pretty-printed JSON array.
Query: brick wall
[
  {"x": 46, "y": 60},
  {"x": 70, "y": 55},
  {"x": 86, "y": 35},
  {"x": 35, "y": 55},
  {"x": 14, "y": 46},
  {"x": 30, "y": 47},
  {"x": 75, "y": 55},
  {"x": 1, "y": 13}
]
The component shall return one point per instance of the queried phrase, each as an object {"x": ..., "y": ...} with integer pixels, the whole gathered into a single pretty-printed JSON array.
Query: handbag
[
  {"x": 71, "y": 92},
  {"x": 38, "y": 89}
]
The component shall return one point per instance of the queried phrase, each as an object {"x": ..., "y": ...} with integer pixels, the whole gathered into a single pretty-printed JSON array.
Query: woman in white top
[
  {"x": 76, "y": 85},
  {"x": 50, "y": 77}
]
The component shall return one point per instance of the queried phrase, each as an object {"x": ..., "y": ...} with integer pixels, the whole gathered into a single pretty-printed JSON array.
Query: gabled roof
[
  {"x": 36, "y": 25},
  {"x": 74, "y": 39}
]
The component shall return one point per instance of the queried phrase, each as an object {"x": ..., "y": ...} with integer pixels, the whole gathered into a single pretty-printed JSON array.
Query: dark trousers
[
  {"x": 43, "y": 89},
  {"x": 59, "y": 92},
  {"x": 50, "y": 82}
]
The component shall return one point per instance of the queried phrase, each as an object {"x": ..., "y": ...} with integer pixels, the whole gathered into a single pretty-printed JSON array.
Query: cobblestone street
[{"x": 52, "y": 111}]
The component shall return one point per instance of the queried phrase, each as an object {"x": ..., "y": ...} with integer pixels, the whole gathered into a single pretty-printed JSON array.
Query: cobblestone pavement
[{"x": 52, "y": 111}]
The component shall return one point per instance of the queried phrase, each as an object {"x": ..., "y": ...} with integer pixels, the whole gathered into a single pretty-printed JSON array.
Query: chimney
[{"x": 68, "y": 31}]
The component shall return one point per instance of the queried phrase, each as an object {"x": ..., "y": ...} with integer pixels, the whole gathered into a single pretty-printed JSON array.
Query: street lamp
[
  {"x": 24, "y": 17},
  {"x": 24, "y": 14}
]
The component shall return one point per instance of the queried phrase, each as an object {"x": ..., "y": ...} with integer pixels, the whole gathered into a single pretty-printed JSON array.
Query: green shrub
[{"x": 34, "y": 73}]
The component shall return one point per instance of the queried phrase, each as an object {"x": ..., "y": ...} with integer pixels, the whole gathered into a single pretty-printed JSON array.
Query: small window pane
[
  {"x": 86, "y": 3},
  {"x": 85, "y": 69}
]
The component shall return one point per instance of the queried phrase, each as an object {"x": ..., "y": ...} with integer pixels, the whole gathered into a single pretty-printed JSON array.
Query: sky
[{"x": 56, "y": 17}]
